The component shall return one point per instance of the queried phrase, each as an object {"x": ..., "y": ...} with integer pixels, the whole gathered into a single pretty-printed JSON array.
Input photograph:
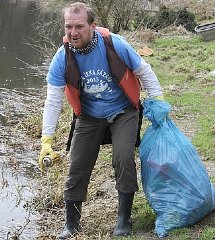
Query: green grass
[
  {"x": 182, "y": 65},
  {"x": 208, "y": 234}
]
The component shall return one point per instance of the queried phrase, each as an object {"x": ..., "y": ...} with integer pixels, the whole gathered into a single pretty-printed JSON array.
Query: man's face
[{"x": 78, "y": 31}]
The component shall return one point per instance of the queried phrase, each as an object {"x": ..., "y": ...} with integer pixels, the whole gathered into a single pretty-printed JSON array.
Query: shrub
[{"x": 166, "y": 17}]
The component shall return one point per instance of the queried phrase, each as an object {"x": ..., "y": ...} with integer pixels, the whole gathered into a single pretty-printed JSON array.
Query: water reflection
[
  {"x": 20, "y": 92},
  {"x": 18, "y": 165},
  {"x": 16, "y": 19},
  {"x": 17, "y": 217}
]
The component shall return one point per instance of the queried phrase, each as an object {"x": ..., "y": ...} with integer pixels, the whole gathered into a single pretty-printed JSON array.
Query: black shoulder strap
[
  {"x": 117, "y": 66},
  {"x": 72, "y": 73}
]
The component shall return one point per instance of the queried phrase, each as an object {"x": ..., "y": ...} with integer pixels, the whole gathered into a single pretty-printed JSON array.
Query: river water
[{"x": 20, "y": 89}]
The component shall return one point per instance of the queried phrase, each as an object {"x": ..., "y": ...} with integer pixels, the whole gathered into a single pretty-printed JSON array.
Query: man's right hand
[{"x": 46, "y": 143}]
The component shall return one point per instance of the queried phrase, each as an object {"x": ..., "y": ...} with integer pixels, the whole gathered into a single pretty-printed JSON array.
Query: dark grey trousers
[{"x": 85, "y": 146}]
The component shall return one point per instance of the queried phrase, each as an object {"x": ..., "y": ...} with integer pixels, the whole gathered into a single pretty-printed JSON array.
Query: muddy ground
[{"x": 100, "y": 210}]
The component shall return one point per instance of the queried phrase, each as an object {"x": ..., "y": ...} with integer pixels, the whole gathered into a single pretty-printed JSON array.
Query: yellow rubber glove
[
  {"x": 161, "y": 98},
  {"x": 46, "y": 143}
]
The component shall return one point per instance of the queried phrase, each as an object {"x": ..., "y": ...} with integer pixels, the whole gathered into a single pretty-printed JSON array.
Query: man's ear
[{"x": 93, "y": 25}]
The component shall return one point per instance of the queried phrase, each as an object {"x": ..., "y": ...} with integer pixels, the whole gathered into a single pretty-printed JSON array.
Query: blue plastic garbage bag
[{"x": 175, "y": 181}]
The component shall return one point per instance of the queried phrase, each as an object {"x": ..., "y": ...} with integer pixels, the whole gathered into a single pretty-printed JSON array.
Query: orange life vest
[{"x": 123, "y": 76}]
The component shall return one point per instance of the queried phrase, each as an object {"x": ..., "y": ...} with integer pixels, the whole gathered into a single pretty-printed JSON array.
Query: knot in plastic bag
[{"x": 156, "y": 111}]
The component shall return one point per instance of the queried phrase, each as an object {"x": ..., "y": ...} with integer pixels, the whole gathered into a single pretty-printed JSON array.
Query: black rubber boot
[
  {"x": 73, "y": 215},
  {"x": 123, "y": 225}
]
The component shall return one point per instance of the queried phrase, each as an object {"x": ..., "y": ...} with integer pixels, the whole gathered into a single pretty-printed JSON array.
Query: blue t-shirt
[{"x": 101, "y": 96}]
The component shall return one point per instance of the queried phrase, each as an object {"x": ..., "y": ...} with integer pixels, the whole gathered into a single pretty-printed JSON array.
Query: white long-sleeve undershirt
[
  {"x": 148, "y": 80},
  {"x": 52, "y": 109}
]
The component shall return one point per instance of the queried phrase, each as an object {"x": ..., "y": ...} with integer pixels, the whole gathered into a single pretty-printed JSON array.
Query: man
[{"x": 99, "y": 77}]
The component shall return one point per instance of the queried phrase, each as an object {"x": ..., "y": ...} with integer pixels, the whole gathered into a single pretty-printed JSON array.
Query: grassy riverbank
[{"x": 183, "y": 63}]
